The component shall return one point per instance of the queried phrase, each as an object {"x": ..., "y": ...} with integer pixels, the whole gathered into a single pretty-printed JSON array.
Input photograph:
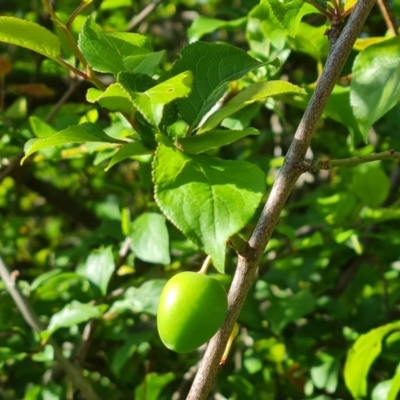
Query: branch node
[
  {"x": 240, "y": 245},
  {"x": 303, "y": 166},
  {"x": 334, "y": 31}
]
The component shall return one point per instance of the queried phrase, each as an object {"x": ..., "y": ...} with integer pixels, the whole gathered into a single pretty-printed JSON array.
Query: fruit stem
[
  {"x": 204, "y": 267},
  {"x": 234, "y": 333}
]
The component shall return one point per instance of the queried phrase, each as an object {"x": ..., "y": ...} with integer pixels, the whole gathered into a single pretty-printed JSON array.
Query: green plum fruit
[{"x": 192, "y": 307}]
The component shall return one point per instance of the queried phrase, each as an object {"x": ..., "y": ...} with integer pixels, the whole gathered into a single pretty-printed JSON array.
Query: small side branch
[
  {"x": 316, "y": 165},
  {"x": 72, "y": 370},
  {"x": 240, "y": 245},
  {"x": 389, "y": 16},
  {"x": 23, "y": 306},
  {"x": 137, "y": 19}
]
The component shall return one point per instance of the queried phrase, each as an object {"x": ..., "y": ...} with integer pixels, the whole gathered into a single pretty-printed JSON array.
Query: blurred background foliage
[{"x": 91, "y": 250}]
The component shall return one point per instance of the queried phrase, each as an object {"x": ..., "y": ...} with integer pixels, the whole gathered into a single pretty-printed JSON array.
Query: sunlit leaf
[
  {"x": 290, "y": 12},
  {"x": 375, "y": 86},
  {"x": 255, "y": 92},
  {"x": 150, "y": 239},
  {"x": 86, "y": 132},
  {"x": 98, "y": 269},
  {"x": 212, "y": 139},
  {"x": 362, "y": 355},
  {"x": 126, "y": 151},
  {"x": 203, "y": 25},
  {"x": 208, "y": 199},
  {"x": 213, "y": 66},
  {"x": 117, "y": 51},
  {"x": 29, "y": 35},
  {"x": 72, "y": 314}
]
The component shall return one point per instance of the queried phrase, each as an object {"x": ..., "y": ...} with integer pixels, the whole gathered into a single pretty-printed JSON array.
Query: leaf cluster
[{"x": 167, "y": 145}]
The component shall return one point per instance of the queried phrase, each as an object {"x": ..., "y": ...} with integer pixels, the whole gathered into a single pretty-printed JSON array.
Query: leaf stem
[
  {"x": 80, "y": 8},
  {"x": 89, "y": 75},
  {"x": 348, "y": 11},
  {"x": 66, "y": 32},
  {"x": 337, "y": 7},
  {"x": 320, "y": 9}
]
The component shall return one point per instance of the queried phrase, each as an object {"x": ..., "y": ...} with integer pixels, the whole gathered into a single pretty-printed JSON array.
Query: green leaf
[
  {"x": 212, "y": 139},
  {"x": 136, "y": 82},
  {"x": 322, "y": 3},
  {"x": 49, "y": 285},
  {"x": 326, "y": 375},
  {"x": 114, "y": 4},
  {"x": 124, "y": 353},
  {"x": 317, "y": 48},
  {"x": 72, "y": 314},
  {"x": 245, "y": 389},
  {"x": 256, "y": 92},
  {"x": 29, "y": 35},
  {"x": 290, "y": 309},
  {"x": 145, "y": 63},
  {"x": 98, "y": 269},
  {"x": 375, "y": 86},
  {"x": 242, "y": 118},
  {"x": 114, "y": 98},
  {"x": 381, "y": 390},
  {"x": 128, "y": 150},
  {"x": 140, "y": 300},
  {"x": 151, "y": 102},
  {"x": 40, "y": 128},
  {"x": 18, "y": 109},
  {"x": 150, "y": 239},
  {"x": 338, "y": 107},
  {"x": 290, "y": 12},
  {"x": 213, "y": 66},
  {"x": 370, "y": 183},
  {"x": 379, "y": 215},
  {"x": 7, "y": 354},
  {"x": 362, "y": 355},
  {"x": 47, "y": 355},
  {"x": 204, "y": 25},
  {"x": 208, "y": 199},
  {"x": 116, "y": 51},
  {"x": 152, "y": 386},
  {"x": 265, "y": 35},
  {"x": 395, "y": 387},
  {"x": 86, "y": 132}
]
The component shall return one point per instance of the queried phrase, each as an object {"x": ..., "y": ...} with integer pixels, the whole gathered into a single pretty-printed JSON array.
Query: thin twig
[
  {"x": 72, "y": 370},
  {"x": 23, "y": 306},
  {"x": 137, "y": 19},
  {"x": 389, "y": 16},
  {"x": 316, "y": 165},
  {"x": 179, "y": 393},
  {"x": 71, "y": 89},
  {"x": 10, "y": 167},
  {"x": 248, "y": 263}
]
